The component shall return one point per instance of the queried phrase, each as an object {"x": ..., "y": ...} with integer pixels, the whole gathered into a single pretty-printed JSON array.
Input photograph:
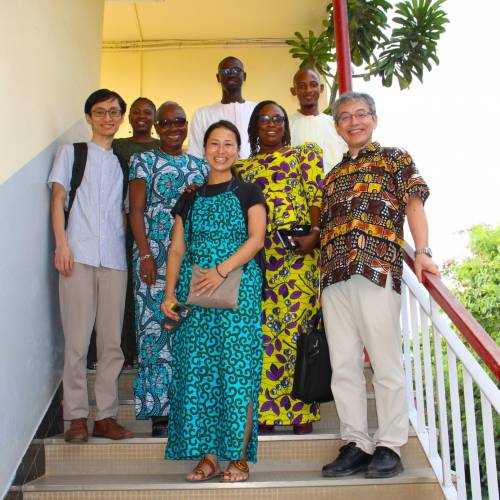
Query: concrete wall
[
  {"x": 187, "y": 75},
  {"x": 49, "y": 62}
]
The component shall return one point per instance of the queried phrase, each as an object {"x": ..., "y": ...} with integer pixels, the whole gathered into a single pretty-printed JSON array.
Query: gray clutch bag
[{"x": 225, "y": 297}]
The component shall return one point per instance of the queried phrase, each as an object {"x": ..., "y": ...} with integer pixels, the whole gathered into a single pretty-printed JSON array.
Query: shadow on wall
[{"x": 31, "y": 340}]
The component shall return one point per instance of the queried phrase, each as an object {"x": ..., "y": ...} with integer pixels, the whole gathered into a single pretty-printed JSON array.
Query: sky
[{"x": 450, "y": 126}]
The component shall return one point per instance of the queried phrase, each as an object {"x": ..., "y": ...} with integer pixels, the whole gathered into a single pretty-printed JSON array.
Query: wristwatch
[{"x": 425, "y": 250}]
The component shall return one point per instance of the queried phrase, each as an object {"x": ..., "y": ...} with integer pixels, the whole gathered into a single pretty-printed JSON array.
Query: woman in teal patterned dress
[
  {"x": 216, "y": 353},
  {"x": 157, "y": 179}
]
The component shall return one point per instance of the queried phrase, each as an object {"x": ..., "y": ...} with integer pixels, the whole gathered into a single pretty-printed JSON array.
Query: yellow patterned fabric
[{"x": 291, "y": 181}]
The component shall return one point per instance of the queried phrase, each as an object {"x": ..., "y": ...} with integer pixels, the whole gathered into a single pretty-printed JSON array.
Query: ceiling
[{"x": 210, "y": 19}]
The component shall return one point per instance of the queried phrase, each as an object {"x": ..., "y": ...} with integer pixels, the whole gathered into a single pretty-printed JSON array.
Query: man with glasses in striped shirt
[{"x": 90, "y": 259}]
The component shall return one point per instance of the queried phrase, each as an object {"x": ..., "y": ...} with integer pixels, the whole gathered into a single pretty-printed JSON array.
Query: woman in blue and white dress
[{"x": 157, "y": 180}]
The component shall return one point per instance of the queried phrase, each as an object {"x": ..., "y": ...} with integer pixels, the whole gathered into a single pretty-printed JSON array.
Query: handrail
[
  {"x": 447, "y": 391},
  {"x": 466, "y": 324}
]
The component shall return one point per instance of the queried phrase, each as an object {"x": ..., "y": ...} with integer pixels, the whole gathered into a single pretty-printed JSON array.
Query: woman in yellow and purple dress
[{"x": 291, "y": 179}]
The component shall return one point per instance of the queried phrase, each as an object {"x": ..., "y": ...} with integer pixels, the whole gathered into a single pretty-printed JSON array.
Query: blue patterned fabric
[
  {"x": 216, "y": 353},
  {"x": 166, "y": 179}
]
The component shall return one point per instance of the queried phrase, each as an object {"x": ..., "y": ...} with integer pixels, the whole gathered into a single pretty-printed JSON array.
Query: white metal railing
[{"x": 442, "y": 377}]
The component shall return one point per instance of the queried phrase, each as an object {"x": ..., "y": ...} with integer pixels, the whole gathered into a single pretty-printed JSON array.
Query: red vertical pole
[{"x": 343, "y": 48}]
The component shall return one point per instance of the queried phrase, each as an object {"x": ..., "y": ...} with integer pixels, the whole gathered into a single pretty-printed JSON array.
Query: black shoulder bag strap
[
  {"x": 260, "y": 256},
  {"x": 79, "y": 163}
]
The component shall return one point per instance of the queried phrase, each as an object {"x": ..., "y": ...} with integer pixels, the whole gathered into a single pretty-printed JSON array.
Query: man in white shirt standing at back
[
  {"x": 232, "y": 107},
  {"x": 308, "y": 124}
]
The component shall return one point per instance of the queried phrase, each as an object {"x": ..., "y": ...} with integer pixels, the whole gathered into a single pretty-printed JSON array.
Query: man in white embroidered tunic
[
  {"x": 232, "y": 107},
  {"x": 308, "y": 124},
  {"x": 90, "y": 258}
]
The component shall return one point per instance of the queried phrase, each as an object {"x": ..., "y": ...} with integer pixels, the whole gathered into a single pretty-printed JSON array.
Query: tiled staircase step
[
  {"x": 125, "y": 383},
  {"x": 146, "y": 455},
  {"x": 412, "y": 484},
  {"x": 329, "y": 417},
  {"x": 127, "y": 377}
]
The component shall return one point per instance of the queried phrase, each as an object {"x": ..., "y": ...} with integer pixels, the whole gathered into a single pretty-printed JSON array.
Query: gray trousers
[
  {"x": 357, "y": 313},
  {"x": 92, "y": 295}
]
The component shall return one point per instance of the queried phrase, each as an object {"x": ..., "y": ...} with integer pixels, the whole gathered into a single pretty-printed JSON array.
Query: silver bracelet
[
  {"x": 316, "y": 228},
  {"x": 147, "y": 256}
]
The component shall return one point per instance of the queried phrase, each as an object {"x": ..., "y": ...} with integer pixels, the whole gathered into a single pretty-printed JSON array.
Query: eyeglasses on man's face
[
  {"x": 276, "y": 119},
  {"x": 347, "y": 117},
  {"x": 101, "y": 112},
  {"x": 176, "y": 122},
  {"x": 233, "y": 71}
]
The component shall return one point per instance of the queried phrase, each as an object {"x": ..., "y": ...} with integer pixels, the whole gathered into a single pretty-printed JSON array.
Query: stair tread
[
  {"x": 133, "y": 371},
  {"x": 96, "y": 482},
  {"x": 144, "y": 437},
  {"x": 127, "y": 402}
]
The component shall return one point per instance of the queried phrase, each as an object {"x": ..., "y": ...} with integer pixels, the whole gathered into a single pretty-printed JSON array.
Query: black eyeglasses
[
  {"x": 276, "y": 119},
  {"x": 231, "y": 71},
  {"x": 176, "y": 122},
  {"x": 101, "y": 112},
  {"x": 359, "y": 115}
]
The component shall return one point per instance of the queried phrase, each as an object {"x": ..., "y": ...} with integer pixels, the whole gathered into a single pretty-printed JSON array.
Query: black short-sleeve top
[{"x": 248, "y": 195}]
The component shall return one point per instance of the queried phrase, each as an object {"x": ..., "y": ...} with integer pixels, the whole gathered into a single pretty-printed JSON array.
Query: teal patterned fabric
[
  {"x": 166, "y": 179},
  {"x": 216, "y": 353}
]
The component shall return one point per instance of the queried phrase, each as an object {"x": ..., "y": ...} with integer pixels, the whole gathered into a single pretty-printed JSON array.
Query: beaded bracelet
[
  {"x": 147, "y": 256},
  {"x": 219, "y": 273}
]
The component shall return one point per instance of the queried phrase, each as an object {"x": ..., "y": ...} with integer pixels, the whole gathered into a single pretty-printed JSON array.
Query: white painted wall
[{"x": 49, "y": 62}]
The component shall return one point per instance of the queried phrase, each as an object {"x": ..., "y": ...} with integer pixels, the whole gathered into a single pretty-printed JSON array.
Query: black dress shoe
[
  {"x": 351, "y": 459},
  {"x": 385, "y": 463}
]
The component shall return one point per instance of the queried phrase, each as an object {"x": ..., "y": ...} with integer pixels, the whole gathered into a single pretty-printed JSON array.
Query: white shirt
[
  {"x": 96, "y": 229},
  {"x": 318, "y": 129},
  {"x": 235, "y": 112}
]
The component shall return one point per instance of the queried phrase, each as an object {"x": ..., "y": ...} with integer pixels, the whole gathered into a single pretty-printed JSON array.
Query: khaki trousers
[
  {"x": 357, "y": 313},
  {"x": 92, "y": 295}
]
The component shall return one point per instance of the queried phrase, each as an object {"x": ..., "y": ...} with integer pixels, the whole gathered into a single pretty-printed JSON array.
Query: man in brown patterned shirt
[{"x": 365, "y": 200}]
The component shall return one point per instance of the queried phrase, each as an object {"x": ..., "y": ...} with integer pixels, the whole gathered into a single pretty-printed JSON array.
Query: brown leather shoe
[
  {"x": 109, "y": 428},
  {"x": 78, "y": 432}
]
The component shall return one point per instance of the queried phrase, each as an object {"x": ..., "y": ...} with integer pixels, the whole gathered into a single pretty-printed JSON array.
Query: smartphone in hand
[
  {"x": 286, "y": 235},
  {"x": 182, "y": 311}
]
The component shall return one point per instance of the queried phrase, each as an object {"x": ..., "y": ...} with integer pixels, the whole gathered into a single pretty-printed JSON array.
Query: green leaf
[{"x": 405, "y": 47}]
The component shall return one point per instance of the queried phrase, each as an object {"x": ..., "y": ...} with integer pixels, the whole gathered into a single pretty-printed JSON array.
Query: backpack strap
[{"x": 79, "y": 163}]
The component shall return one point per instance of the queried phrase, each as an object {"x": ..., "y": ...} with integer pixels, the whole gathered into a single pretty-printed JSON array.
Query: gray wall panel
[{"x": 31, "y": 340}]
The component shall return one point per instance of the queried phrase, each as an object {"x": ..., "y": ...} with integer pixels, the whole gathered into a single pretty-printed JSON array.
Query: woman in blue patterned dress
[
  {"x": 157, "y": 179},
  {"x": 216, "y": 353}
]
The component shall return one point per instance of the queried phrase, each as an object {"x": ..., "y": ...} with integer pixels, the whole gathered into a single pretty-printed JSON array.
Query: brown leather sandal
[
  {"x": 241, "y": 465},
  {"x": 198, "y": 470}
]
